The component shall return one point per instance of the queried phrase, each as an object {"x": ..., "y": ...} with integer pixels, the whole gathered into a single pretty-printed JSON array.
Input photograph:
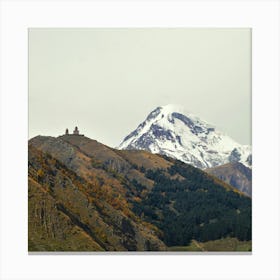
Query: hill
[
  {"x": 86, "y": 196},
  {"x": 65, "y": 209},
  {"x": 235, "y": 174}
]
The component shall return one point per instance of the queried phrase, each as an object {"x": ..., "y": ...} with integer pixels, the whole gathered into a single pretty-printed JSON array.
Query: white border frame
[{"x": 18, "y": 16}]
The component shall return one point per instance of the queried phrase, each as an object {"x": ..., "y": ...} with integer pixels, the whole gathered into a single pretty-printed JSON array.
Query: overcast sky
[{"x": 106, "y": 81}]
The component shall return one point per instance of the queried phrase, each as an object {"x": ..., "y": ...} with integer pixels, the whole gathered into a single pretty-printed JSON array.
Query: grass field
[{"x": 220, "y": 245}]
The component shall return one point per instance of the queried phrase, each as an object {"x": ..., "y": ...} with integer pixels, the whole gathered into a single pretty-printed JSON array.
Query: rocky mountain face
[
  {"x": 85, "y": 196},
  {"x": 169, "y": 130},
  {"x": 92, "y": 202},
  {"x": 235, "y": 174}
]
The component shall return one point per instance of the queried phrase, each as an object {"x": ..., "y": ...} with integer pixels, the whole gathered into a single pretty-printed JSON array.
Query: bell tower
[{"x": 76, "y": 131}]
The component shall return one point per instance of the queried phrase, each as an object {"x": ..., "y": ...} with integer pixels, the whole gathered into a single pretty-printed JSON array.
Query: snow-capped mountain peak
[{"x": 172, "y": 131}]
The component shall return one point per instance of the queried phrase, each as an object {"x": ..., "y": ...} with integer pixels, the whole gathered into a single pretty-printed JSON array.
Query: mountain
[
  {"x": 86, "y": 196},
  {"x": 76, "y": 207},
  {"x": 170, "y": 130},
  {"x": 235, "y": 174}
]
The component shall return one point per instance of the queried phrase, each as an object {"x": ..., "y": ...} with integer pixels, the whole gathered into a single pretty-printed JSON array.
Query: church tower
[{"x": 76, "y": 131}]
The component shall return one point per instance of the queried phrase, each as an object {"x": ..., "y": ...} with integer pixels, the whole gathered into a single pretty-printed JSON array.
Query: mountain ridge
[
  {"x": 235, "y": 174},
  {"x": 120, "y": 200}
]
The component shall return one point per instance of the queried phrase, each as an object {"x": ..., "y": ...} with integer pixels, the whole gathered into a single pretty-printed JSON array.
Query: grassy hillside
[
  {"x": 50, "y": 229},
  {"x": 220, "y": 245},
  {"x": 125, "y": 200},
  {"x": 64, "y": 207}
]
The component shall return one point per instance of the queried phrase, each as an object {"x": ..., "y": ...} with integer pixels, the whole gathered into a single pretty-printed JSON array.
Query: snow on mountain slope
[{"x": 171, "y": 131}]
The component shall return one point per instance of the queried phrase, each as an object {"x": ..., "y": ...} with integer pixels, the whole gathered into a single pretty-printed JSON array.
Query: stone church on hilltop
[{"x": 75, "y": 132}]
